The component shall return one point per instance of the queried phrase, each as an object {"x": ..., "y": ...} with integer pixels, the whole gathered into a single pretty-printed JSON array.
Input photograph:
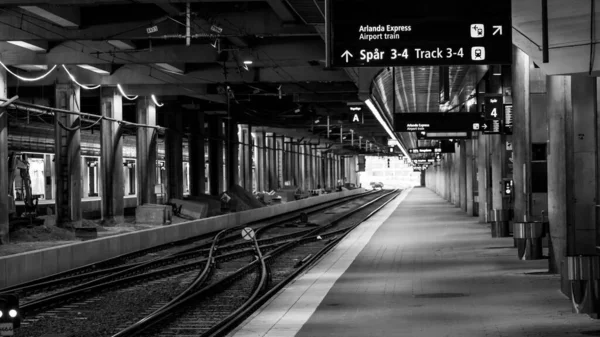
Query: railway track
[
  {"x": 144, "y": 260},
  {"x": 90, "y": 303},
  {"x": 216, "y": 308}
]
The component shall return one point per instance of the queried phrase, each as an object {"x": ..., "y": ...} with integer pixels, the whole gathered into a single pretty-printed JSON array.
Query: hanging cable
[
  {"x": 79, "y": 84},
  {"x": 155, "y": 101},
  {"x": 25, "y": 78},
  {"x": 125, "y": 95}
]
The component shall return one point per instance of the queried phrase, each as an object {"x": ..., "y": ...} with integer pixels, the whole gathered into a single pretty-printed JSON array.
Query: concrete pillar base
[{"x": 112, "y": 220}]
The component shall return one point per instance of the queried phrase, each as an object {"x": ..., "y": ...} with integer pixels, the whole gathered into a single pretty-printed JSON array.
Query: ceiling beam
[
  {"x": 139, "y": 74},
  {"x": 106, "y": 2},
  {"x": 280, "y": 8},
  {"x": 257, "y": 23},
  {"x": 69, "y": 17},
  {"x": 93, "y": 52}
]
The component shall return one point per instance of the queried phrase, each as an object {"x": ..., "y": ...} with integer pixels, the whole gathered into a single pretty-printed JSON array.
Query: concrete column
[
  {"x": 174, "y": 154},
  {"x": 572, "y": 167},
  {"x": 521, "y": 133},
  {"x": 497, "y": 164},
  {"x": 468, "y": 207},
  {"x": 246, "y": 157},
  {"x": 196, "y": 153},
  {"x": 582, "y": 188},
  {"x": 4, "y": 188},
  {"x": 111, "y": 158},
  {"x": 67, "y": 159},
  {"x": 233, "y": 157},
  {"x": 215, "y": 153},
  {"x": 272, "y": 150},
  {"x": 146, "y": 151},
  {"x": 298, "y": 166},
  {"x": 280, "y": 143},
  {"x": 261, "y": 162},
  {"x": 462, "y": 178},
  {"x": 454, "y": 166},
  {"x": 482, "y": 177}
]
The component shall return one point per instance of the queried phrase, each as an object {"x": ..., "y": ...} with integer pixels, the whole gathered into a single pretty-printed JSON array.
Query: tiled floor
[{"x": 421, "y": 267}]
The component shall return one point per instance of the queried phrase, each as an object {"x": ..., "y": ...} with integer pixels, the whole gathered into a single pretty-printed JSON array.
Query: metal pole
[
  {"x": 188, "y": 23},
  {"x": 545, "y": 49}
]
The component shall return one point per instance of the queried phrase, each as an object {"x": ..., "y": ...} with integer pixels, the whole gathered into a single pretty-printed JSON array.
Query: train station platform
[{"x": 421, "y": 267}]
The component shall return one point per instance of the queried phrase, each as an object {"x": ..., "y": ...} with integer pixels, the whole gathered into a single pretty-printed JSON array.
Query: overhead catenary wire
[{"x": 41, "y": 108}]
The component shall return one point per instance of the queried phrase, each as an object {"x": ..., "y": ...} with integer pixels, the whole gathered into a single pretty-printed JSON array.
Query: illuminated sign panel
[
  {"x": 426, "y": 32},
  {"x": 508, "y": 119},
  {"x": 493, "y": 107},
  {"x": 437, "y": 122}
]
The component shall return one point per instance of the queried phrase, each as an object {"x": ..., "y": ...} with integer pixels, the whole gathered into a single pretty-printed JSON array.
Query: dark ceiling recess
[
  {"x": 106, "y": 14},
  {"x": 310, "y": 11}
]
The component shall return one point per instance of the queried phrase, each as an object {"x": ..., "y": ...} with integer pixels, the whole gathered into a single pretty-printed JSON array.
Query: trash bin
[
  {"x": 499, "y": 223},
  {"x": 584, "y": 273},
  {"x": 529, "y": 236}
]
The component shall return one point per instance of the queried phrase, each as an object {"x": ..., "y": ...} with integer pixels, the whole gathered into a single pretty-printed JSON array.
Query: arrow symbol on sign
[
  {"x": 498, "y": 30},
  {"x": 347, "y": 54},
  {"x": 484, "y": 126}
]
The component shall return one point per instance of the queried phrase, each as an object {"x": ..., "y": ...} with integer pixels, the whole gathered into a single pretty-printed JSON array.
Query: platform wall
[{"x": 27, "y": 266}]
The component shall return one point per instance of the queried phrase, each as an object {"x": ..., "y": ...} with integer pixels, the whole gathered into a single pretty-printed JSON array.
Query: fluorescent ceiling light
[
  {"x": 169, "y": 67},
  {"x": 247, "y": 62},
  {"x": 27, "y": 45},
  {"x": 32, "y": 67},
  {"x": 59, "y": 20},
  {"x": 120, "y": 44},
  {"x": 94, "y": 69},
  {"x": 446, "y": 134},
  {"x": 375, "y": 112}
]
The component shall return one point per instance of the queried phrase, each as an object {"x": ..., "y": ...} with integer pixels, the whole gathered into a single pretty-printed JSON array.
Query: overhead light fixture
[
  {"x": 124, "y": 94},
  {"x": 248, "y": 62},
  {"x": 170, "y": 68},
  {"x": 375, "y": 112},
  {"x": 156, "y": 102},
  {"x": 79, "y": 84},
  {"x": 25, "y": 78},
  {"x": 94, "y": 69},
  {"x": 497, "y": 70},
  {"x": 120, "y": 44},
  {"x": 32, "y": 67},
  {"x": 63, "y": 20},
  {"x": 27, "y": 45}
]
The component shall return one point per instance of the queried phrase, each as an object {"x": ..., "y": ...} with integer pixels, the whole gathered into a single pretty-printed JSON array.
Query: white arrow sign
[
  {"x": 498, "y": 30},
  {"x": 347, "y": 54},
  {"x": 484, "y": 126}
]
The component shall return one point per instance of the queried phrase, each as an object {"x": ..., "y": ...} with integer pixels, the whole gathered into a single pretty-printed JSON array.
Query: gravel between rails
[
  {"x": 208, "y": 312},
  {"x": 315, "y": 220},
  {"x": 199, "y": 318},
  {"x": 99, "y": 315},
  {"x": 283, "y": 265}
]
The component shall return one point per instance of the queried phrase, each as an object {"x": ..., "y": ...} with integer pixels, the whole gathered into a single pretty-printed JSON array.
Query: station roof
[{"x": 270, "y": 53}]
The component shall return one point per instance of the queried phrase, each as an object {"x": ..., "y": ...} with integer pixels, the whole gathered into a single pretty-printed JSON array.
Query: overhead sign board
[
  {"x": 425, "y": 150},
  {"x": 508, "y": 119},
  {"x": 493, "y": 107},
  {"x": 432, "y": 121},
  {"x": 426, "y": 32},
  {"x": 492, "y": 127},
  {"x": 444, "y": 135}
]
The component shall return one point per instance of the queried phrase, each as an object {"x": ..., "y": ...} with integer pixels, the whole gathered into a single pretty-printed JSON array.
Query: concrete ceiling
[{"x": 282, "y": 38}]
